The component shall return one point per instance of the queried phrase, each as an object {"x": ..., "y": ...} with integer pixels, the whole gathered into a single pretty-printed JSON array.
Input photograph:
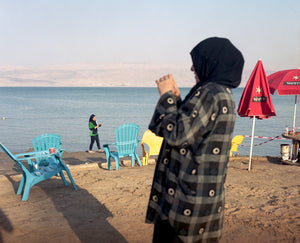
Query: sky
[{"x": 38, "y": 34}]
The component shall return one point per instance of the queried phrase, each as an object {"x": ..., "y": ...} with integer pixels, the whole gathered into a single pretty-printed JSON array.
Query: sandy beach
[{"x": 261, "y": 205}]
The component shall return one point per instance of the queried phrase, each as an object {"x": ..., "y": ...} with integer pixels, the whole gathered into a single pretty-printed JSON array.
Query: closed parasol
[{"x": 256, "y": 100}]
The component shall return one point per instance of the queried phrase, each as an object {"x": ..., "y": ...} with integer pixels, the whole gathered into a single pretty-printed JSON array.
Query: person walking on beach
[
  {"x": 93, "y": 126},
  {"x": 186, "y": 201}
]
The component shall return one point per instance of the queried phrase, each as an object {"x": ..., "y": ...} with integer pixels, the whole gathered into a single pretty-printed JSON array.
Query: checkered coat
[{"x": 188, "y": 183}]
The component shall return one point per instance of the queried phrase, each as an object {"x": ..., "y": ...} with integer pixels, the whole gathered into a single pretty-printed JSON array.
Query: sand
[{"x": 262, "y": 205}]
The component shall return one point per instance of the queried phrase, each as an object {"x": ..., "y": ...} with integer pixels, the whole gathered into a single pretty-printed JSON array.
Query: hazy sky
[{"x": 43, "y": 32}]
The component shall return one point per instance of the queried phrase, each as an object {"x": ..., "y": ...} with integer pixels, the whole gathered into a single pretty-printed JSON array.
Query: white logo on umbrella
[
  {"x": 295, "y": 77},
  {"x": 258, "y": 90}
]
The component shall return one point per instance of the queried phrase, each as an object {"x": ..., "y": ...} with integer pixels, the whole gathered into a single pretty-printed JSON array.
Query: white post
[
  {"x": 251, "y": 146},
  {"x": 294, "y": 121},
  {"x": 294, "y": 125}
]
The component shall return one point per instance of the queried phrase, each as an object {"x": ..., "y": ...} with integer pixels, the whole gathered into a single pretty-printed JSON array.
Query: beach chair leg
[
  {"x": 63, "y": 177},
  {"x": 117, "y": 163},
  {"x": 144, "y": 155},
  {"x": 23, "y": 180},
  {"x": 147, "y": 158},
  {"x": 108, "y": 163},
  {"x": 26, "y": 192},
  {"x": 108, "y": 156},
  {"x": 138, "y": 159},
  {"x": 71, "y": 178}
]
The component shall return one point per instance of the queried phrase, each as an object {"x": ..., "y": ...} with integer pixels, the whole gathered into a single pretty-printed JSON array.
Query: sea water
[{"x": 27, "y": 112}]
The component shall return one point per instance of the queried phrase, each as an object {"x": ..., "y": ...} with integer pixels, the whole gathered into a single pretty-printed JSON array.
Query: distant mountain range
[{"x": 101, "y": 75}]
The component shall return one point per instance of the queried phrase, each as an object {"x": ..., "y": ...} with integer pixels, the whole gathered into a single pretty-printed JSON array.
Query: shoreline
[{"x": 262, "y": 205}]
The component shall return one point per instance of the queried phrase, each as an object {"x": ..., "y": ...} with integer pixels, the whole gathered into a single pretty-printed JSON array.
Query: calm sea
[{"x": 32, "y": 111}]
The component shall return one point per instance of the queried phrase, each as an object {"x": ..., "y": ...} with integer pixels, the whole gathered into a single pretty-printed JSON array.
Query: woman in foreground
[{"x": 187, "y": 197}]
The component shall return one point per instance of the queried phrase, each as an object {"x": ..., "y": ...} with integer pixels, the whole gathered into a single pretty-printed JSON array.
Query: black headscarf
[
  {"x": 218, "y": 60},
  {"x": 91, "y": 119}
]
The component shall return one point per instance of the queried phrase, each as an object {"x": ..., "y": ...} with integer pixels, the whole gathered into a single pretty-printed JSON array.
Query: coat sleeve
[{"x": 186, "y": 124}]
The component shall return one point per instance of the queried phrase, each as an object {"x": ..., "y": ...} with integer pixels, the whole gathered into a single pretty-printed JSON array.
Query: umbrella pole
[
  {"x": 251, "y": 146},
  {"x": 294, "y": 121}
]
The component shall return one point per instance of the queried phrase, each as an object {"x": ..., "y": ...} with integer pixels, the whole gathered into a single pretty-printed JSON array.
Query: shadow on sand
[
  {"x": 5, "y": 224},
  {"x": 77, "y": 158},
  {"x": 274, "y": 160},
  {"x": 86, "y": 216}
]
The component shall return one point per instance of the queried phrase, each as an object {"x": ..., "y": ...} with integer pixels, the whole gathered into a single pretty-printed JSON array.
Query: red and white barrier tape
[{"x": 270, "y": 139}]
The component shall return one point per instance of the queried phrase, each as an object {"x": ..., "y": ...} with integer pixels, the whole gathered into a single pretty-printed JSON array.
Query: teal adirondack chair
[
  {"x": 126, "y": 142},
  {"x": 45, "y": 142},
  {"x": 37, "y": 173}
]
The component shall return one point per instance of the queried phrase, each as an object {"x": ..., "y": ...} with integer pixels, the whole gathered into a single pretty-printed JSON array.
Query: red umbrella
[
  {"x": 286, "y": 82},
  {"x": 256, "y": 99}
]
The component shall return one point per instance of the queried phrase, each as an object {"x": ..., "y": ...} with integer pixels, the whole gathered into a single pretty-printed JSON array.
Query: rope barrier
[{"x": 269, "y": 140}]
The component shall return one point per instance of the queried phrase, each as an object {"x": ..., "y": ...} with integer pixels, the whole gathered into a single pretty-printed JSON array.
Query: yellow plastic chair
[
  {"x": 235, "y": 142},
  {"x": 154, "y": 143}
]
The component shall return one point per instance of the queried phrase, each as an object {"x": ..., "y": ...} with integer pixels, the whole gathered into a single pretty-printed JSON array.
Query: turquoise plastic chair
[
  {"x": 45, "y": 142},
  {"x": 36, "y": 173},
  {"x": 126, "y": 142}
]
